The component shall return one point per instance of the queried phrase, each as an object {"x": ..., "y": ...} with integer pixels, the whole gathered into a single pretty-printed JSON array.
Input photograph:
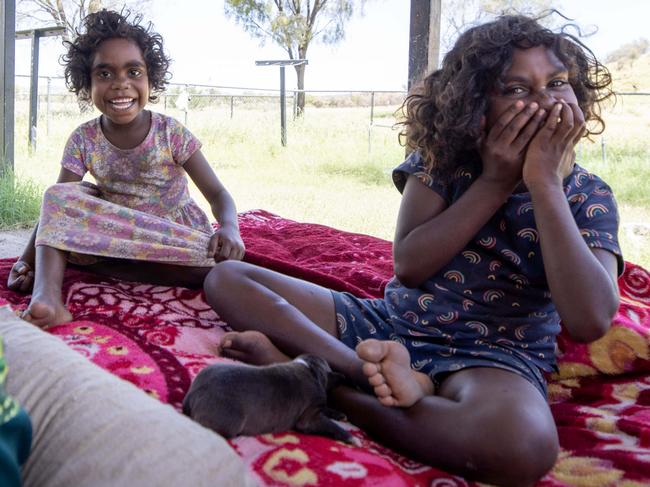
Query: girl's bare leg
[
  {"x": 485, "y": 424},
  {"x": 46, "y": 307},
  {"x": 297, "y": 316}
]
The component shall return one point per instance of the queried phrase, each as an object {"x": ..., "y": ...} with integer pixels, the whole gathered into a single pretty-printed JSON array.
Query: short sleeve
[
  {"x": 74, "y": 154},
  {"x": 414, "y": 165},
  {"x": 183, "y": 143},
  {"x": 597, "y": 216}
]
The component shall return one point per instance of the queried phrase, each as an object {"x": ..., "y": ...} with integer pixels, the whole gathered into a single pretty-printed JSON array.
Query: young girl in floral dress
[{"x": 138, "y": 221}]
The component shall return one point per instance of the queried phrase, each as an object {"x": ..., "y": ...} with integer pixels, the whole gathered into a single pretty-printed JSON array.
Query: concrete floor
[{"x": 12, "y": 242}]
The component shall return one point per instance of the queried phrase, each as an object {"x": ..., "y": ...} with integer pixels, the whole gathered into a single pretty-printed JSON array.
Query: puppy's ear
[{"x": 319, "y": 368}]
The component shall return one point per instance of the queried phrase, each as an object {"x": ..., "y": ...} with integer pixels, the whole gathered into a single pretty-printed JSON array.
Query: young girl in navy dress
[
  {"x": 500, "y": 235},
  {"x": 139, "y": 221}
]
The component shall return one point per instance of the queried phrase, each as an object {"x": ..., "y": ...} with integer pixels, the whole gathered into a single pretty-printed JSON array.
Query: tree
[
  {"x": 627, "y": 53},
  {"x": 293, "y": 25},
  {"x": 459, "y": 15},
  {"x": 66, "y": 13}
]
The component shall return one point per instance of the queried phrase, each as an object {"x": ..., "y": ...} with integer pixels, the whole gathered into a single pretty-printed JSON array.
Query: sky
[{"x": 208, "y": 48}]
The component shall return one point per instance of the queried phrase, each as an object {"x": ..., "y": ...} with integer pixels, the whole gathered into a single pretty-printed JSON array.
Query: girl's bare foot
[
  {"x": 251, "y": 347},
  {"x": 387, "y": 365},
  {"x": 44, "y": 314}
]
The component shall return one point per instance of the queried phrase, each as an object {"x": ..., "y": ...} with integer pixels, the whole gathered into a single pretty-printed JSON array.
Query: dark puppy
[{"x": 240, "y": 399}]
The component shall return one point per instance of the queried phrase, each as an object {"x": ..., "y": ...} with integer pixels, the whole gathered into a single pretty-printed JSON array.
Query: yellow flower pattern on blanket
[
  {"x": 585, "y": 471},
  {"x": 617, "y": 351}
]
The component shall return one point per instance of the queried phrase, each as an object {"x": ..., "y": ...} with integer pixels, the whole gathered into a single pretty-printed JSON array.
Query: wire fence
[
  {"x": 182, "y": 100},
  {"x": 186, "y": 101}
]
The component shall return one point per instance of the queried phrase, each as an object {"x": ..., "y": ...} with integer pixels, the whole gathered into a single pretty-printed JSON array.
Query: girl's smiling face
[
  {"x": 535, "y": 75},
  {"x": 119, "y": 85}
]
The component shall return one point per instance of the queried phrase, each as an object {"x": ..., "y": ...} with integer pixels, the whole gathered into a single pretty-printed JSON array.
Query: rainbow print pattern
[{"x": 492, "y": 300}]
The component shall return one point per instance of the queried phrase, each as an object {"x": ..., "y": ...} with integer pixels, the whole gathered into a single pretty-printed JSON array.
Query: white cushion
[{"x": 93, "y": 429}]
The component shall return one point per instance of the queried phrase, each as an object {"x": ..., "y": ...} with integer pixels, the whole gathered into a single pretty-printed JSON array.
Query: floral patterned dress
[{"x": 140, "y": 207}]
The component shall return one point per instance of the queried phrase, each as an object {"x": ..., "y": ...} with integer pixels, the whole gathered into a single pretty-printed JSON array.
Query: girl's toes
[
  {"x": 387, "y": 401},
  {"x": 383, "y": 391},
  {"x": 369, "y": 369},
  {"x": 376, "y": 380},
  {"x": 371, "y": 350}
]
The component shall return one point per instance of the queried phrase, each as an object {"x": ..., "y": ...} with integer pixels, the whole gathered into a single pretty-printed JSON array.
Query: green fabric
[
  {"x": 15, "y": 442},
  {"x": 15, "y": 432}
]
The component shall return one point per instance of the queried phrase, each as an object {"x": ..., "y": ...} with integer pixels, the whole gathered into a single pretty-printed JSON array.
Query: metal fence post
[
  {"x": 232, "y": 105},
  {"x": 47, "y": 106},
  {"x": 603, "y": 151},
  {"x": 372, "y": 107},
  {"x": 187, "y": 104}
]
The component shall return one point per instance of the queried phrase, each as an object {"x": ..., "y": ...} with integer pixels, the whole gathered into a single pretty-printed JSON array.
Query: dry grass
[{"x": 328, "y": 175}]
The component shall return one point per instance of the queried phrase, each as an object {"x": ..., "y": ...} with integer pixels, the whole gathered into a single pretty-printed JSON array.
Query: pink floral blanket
[{"x": 160, "y": 337}]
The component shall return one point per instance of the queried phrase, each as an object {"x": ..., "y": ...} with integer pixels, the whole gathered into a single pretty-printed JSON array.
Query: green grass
[
  {"x": 336, "y": 172},
  {"x": 20, "y": 201}
]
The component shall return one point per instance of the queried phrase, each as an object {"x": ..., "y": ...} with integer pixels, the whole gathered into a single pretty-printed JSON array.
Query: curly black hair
[
  {"x": 442, "y": 115},
  {"x": 101, "y": 26}
]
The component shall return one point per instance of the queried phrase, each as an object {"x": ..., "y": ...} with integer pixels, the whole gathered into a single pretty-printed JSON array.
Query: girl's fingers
[
  {"x": 567, "y": 122},
  {"x": 213, "y": 245},
  {"x": 530, "y": 129},
  {"x": 502, "y": 123},
  {"x": 225, "y": 250},
  {"x": 521, "y": 120},
  {"x": 553, "y": 119}
]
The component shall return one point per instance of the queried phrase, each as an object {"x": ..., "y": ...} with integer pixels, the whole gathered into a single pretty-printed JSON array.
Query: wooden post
[
  {"x": 424, "y": 39},
  {"x": 7, "y": 90}
]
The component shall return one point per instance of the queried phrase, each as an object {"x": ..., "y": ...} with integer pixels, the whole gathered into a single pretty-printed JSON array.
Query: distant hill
[{"x": 631, "y": 75}]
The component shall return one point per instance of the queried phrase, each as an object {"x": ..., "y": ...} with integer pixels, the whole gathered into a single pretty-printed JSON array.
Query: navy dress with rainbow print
[{"x": 490, "y": 306}]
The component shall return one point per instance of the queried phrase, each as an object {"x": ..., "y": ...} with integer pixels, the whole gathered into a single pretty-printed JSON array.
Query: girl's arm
[
  {"x": 226, "y": 243},
  {"x": 582, "y": 281},
  {"x": 21, "y": 276},
  {"x": 428, "y": 234}
]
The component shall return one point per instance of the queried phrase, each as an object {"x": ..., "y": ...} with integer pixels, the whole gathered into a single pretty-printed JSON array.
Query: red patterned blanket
[{"x": 160, "y": 337}]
